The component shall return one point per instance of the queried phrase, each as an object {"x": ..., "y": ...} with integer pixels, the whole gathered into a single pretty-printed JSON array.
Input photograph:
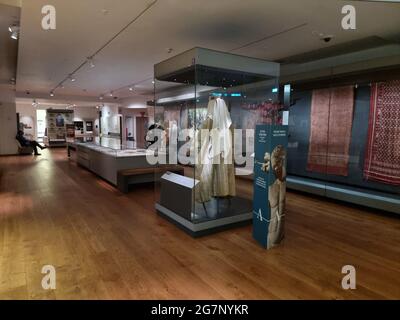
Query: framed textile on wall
[
  {"x": 382, "y": 162},
  {"x": 331, "y": 124}
]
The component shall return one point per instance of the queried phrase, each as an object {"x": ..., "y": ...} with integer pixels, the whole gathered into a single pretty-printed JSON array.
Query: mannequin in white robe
[{"x": 215, "y": 168}]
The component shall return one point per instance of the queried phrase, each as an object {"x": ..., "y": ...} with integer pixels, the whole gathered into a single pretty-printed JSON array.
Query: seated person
[{"x": 28, "y": 143}]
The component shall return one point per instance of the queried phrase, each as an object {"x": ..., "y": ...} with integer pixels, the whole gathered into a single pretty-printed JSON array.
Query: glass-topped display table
[{"x": 106, "y": 156}]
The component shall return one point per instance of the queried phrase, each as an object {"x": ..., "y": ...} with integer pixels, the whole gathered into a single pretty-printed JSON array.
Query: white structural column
[{"x": 8, "y": 122}]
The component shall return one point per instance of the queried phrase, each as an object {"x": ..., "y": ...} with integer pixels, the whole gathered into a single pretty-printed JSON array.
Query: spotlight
[
  {"x": 111, "y": 94},
  {"x": 91, "y": 62},
  {"x": 34, "y": 103},
  {"x": 14, "y": 30},
  {"x": 130, "y": 89},
  {"x": 101, "y": 97},
  {"x": 51, "y": 94},
  {"x": 72, "y": 78},
  {"x": 154, "y": 82}
]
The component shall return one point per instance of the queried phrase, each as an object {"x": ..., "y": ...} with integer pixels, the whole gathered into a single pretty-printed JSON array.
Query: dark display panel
[{"x": 299, "y": 140}]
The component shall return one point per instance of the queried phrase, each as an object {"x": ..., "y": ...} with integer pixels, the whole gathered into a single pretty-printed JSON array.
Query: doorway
[
  {"x": 141, "y": 130},
  {"x": 41, "y": 124},
  {"x": 129, "y": 129}
]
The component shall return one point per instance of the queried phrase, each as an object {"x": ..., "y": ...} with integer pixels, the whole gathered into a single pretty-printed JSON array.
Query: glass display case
[
  {"x": 344, "y": 139},
  {"x": 110, "y": 146},
  {"x": 207, "y": 105},
  {"x": 106, "y": 156}
]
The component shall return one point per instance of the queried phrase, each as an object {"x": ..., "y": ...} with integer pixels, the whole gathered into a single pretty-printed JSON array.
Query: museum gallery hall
[{"x": 199, "y": 150}]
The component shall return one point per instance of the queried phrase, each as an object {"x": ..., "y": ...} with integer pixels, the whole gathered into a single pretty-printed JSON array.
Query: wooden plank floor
[{"x": 107, "y": 245}]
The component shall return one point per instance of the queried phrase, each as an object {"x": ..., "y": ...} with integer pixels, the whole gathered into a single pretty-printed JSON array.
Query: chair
[{"x": 24, "y": 150}]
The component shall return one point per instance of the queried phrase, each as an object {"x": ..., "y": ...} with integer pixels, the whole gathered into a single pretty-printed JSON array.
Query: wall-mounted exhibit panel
[{"x": 56, "y": 127}]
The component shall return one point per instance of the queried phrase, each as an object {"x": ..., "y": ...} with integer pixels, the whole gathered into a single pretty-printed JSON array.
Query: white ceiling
[{"x": 47, "y": 57}]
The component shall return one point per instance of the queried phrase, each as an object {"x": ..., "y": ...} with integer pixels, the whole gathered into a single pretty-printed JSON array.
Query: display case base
[
  {"x": 367, "y": 198},
  {"x": 206, "y": 227}
]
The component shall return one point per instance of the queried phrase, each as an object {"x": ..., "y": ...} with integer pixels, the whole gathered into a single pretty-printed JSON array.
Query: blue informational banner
[{"x": 269, "y": 184}]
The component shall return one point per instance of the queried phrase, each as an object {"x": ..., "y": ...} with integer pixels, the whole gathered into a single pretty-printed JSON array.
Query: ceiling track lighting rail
[
  {"x": 269, "y": 36},
  {"x": 89, "y": 60}
]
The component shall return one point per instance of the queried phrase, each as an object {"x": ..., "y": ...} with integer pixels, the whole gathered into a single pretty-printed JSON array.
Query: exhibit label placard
[{"x": 269, "y": 184}]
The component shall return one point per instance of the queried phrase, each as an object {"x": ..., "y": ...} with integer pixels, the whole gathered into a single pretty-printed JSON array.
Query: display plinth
[
  {"x": 177, "y": 200},
  {"x": 269, "y": 184}
]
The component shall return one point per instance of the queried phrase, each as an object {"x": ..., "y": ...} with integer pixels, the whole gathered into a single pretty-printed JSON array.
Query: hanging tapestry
[
  {"x": 382, "y": 162},
  {"x": 267, "y": 112},
  {"x": 331, "y": 124}
]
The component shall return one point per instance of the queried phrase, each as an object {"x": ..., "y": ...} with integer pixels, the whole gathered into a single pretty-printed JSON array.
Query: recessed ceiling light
[
  {"x": 153, "y": 82},
  {"x": 130, "y": 89},
  {"x": 101, "y": 97},
  {"x": 111, "y": 94},
  {"x": 72, "y": 78}
]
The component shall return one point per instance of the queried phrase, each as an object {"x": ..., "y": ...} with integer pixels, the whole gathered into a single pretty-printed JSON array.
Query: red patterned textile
[
  {"x": 331, "y": 124},
  {"x": 267, "y": 112},
  {"x": 382, "y": 161}
]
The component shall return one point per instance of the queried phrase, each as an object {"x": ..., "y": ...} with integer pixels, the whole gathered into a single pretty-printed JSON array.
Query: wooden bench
[{"x": 143, "y": 175}]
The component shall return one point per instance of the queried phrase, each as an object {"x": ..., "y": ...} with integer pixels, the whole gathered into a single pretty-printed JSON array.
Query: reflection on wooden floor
[{"x": 108, "y": 245}]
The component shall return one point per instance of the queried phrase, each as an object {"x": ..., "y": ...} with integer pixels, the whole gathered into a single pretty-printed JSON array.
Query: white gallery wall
[
  {"x": 8, "y": 122},
  {"x": 8, "y": 129}
]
